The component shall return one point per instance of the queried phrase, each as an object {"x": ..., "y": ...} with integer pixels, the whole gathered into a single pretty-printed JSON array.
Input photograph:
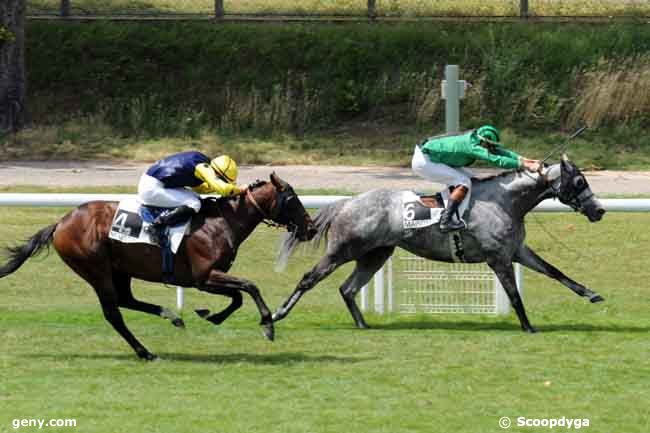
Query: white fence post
[
  {"x": 389, "y": 275},
  {"x": 501, "y": 298},
  {"x": 379, "y": 291},
  {"x": 364, "y": 298},
  {"x": 180, "y": 298}
]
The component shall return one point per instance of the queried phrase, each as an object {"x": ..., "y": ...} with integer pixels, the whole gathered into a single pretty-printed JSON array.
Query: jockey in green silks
[{"x": 442, "y": 159}]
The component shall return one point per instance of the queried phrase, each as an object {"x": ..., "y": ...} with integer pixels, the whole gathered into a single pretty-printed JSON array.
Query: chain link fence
[{"x": 344, "y": 9}]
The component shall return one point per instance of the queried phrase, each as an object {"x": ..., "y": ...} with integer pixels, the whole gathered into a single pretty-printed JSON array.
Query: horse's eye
[{"x": 579, "y": 182}]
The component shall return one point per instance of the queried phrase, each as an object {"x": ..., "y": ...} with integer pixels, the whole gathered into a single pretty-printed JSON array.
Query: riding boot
[
  {"x": 171, "y": 218},
  {"x": 447, "y": 221}
]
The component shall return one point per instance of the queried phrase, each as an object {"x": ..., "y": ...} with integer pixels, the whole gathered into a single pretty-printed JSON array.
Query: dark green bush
[{"x": 171, "y": 78}]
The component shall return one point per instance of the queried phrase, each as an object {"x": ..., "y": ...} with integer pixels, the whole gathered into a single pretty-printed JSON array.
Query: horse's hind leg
[
  {"x": 219, "y": 283},
  {"x": 114, "y": 317},
  {"x": 528, "y": 258},
  {"x": 506, "y": 274},
  {"x": 97, "y": 273},
  {"x": 325, "y": 266},
  {"x": 126, "y": 299},
  {"x": 365, "y": 268},
  {"x": 218, "y": 318}
]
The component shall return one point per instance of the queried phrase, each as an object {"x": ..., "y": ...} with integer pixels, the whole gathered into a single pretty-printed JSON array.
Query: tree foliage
[{"x": 12, "y": 65}]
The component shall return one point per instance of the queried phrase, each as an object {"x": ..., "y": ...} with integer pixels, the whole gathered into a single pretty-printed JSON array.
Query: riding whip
[{"x": 563, "y": 145}]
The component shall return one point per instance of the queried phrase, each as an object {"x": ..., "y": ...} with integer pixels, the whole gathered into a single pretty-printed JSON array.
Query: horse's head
[
  {"x": 574, "y": 191},
  {"x": 285, "y": 208}
]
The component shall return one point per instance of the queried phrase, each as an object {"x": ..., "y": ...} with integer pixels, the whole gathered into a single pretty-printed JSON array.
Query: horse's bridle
[
  {"x": 580, "y": 193},
  {"x": 278, "y": 220}
]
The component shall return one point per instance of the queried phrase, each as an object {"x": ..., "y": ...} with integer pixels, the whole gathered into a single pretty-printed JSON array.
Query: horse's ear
[
  {"x": 277, "y": 182},
  {"x": 564, "y": 163},
  {"x": 567, "y": 165}
]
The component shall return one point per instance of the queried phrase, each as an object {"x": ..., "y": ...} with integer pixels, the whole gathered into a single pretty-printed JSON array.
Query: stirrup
[
  {"x": 452, "y": 226},
  {"x": 449, "y": 224},
  {"x": 154, "y": 233}
]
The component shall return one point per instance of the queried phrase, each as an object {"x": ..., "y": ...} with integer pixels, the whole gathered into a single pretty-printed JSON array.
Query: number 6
[{"x": 409, "y": 211}]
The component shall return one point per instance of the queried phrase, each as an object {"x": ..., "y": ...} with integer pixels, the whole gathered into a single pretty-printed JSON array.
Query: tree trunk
[{"x": 12, "y": 65}]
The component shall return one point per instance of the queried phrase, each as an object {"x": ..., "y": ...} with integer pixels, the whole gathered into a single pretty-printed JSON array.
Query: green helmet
[{"x": 489, "y": 134}]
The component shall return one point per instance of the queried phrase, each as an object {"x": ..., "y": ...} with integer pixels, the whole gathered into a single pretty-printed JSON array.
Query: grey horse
[{"x": 368, "y": 227}]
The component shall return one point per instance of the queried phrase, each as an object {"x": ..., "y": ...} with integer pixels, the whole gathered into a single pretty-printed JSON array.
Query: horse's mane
[
  {"x": 257, "y": 184},
  {"x": 498, "y": 175},
  {"x": 504, "y": 173},
  {"x": 209, "y": 204}
]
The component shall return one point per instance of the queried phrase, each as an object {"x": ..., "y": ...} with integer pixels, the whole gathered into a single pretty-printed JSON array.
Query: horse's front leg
[
  {"x": 528, "y": 258},
  {"x": 506, "y": 274},
  {"x": 218, "y": 282},
  {"x": 323, "y": 268},
  {"x": 220, "y": 317}
]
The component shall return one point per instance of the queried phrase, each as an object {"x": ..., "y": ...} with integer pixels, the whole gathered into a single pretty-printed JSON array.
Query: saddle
[
  {"x": 130, "y": 226},
  {"x": 150, "y": 213},
  {"x": 422, "y": 210},
  {"x": 431, "y": 200}
]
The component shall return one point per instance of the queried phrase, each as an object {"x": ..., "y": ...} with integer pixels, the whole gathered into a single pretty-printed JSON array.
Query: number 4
[{"x": 120, "y": 222}]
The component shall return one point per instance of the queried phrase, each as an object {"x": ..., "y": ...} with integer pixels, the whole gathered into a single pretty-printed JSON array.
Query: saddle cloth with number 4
[{"x": 131, "y": 219}]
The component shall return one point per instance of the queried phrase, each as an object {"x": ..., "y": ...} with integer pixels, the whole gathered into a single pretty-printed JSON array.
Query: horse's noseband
[{"x": 282, "y": 210}]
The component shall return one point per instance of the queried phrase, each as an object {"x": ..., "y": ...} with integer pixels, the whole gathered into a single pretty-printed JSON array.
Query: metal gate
[{"x": 416, "y": 285}]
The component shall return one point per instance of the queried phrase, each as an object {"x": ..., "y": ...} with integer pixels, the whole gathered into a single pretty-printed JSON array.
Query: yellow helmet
[{"x": 226, "y": 168}]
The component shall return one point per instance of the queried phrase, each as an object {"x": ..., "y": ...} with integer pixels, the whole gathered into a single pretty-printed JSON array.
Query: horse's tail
[
  {"x": 323, "y": 220},
  {"x": 32, "y": 246}
]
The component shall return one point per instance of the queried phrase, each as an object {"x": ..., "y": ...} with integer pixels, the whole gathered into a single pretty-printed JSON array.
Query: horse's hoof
[
  {"x": 178, "y": 322},
  {"x": 202, "y": 313},
  {"x": 362, "y": 325},
  {"x": 596, "y": 298},
  {"x": 268, "y": 331},
  {"x": 530, "y": 330},
  {"x": 146, "y": 355}
]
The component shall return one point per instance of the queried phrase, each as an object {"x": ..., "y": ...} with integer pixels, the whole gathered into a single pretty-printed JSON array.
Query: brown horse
[{"x": 202, "y": 261}]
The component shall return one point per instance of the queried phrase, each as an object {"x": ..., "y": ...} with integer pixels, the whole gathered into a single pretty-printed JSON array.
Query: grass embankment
[
  {"x": 327, "y": 93},
  {"x": 60, "y": 359},
  {"x": 364, "y": 146}
]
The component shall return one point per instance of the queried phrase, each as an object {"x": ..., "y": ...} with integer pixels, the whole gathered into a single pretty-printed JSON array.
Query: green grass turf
[{"x": 447, "y": 373}]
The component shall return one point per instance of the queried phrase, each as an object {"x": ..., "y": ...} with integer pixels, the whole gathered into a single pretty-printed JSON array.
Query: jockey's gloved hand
[{"x": 531, "y": 164}]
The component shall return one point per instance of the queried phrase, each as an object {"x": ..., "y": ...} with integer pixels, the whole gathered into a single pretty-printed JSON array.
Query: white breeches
[
  {"x": 440, "y": 173},
  {"x": 152, "y": 192}
]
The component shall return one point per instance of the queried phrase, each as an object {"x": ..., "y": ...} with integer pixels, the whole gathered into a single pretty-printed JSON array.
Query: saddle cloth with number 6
[
  {"x": 416, "y": 215},
  {"x": 129, "y": 225}
]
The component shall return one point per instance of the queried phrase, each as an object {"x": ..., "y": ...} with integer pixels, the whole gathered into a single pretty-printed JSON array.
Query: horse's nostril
[{"x": 601, "y": 211}]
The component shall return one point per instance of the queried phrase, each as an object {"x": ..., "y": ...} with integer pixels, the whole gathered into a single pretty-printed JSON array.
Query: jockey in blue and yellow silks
[{"x": 177, "y": 180}]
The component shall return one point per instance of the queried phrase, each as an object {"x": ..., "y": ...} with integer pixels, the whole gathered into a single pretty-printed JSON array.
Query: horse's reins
[
  {"x": 266, "y": 219},
  {"x": 556, "y": 193}
]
